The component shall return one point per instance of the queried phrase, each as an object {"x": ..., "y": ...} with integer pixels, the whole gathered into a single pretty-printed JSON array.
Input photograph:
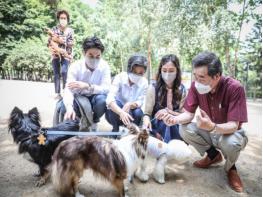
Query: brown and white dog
[{"x": 115, "y": 160}]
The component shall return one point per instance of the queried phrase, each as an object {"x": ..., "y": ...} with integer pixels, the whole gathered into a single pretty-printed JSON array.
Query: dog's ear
[
  {"x": 17, "y": 111},
  {"x": 15, "y": 118},
  {"x": 133, "y": 128},
  {"x": 143, "y": 137},
  {"x": 16, "y": 114},
  {"x": 33, "y": 114}
]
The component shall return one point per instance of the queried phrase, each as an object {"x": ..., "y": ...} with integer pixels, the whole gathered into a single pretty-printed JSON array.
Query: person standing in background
[{"x": 60, "y": 43}]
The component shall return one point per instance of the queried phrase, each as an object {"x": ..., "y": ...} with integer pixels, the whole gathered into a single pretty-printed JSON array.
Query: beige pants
[{"x": 230, "y": 145}]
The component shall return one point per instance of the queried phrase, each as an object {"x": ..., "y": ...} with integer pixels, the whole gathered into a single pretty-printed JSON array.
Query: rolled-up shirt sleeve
[{"x": 191, "y": 102}]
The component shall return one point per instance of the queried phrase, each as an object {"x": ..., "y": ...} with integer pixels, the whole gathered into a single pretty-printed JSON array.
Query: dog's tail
[{"x": 65, "y": 175}]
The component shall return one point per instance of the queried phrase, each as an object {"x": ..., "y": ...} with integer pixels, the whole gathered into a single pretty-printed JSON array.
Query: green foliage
[
  {"x": 29, "y": 60},
  {"x": 152, "y": 28},
  {"x": 20, "y": 19},
  {"x": 251, "y": 57}
]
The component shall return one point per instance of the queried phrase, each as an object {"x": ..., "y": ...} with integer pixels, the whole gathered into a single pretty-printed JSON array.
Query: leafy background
[{"x": 153, "y": 28}]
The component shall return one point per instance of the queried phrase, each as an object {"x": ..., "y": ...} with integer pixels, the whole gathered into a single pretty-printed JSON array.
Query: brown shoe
[
  {"x": 206, "y": 162},
  {"x": 234, "y": 181}
]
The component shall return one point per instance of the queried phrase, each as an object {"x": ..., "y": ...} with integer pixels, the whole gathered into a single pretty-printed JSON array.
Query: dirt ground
[{"x": 16, "y": 173}]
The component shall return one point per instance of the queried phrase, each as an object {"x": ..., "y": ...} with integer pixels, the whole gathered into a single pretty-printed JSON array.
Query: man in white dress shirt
[
  {"x": 89, "y": 77},
  {"x": 127, "y": 94}
]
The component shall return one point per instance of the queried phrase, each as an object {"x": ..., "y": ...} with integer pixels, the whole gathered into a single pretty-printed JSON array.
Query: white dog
[{"x": 176, "y": 151}]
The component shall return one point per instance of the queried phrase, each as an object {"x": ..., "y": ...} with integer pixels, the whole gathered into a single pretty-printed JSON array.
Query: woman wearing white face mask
[
  {"x": 60, "y": 44},
  {"x": 127, "y": 94},
  {"x": 165, "y": 97}
]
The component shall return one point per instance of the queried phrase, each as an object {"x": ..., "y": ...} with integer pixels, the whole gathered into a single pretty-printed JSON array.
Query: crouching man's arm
[{"x": 182, "y": 118}]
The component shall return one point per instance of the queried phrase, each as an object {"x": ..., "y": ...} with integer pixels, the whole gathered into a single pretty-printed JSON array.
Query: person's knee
[
  {"x": 230, "y": 144},
  {"x": 64, "y": 72},
  {"x": 137, "y": 113},
  {"x": 99, "y": 100},
  {"x": 56, "y": 75},
  {"x": 188, "y": 131},
  {"x": 62, "y": 108}
]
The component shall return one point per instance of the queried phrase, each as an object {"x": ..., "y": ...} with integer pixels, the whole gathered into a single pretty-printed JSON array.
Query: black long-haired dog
[{"x": 26, "y": 128}]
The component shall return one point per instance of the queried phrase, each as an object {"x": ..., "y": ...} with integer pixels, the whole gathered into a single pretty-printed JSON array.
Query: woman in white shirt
[{"x": 127, "y": 93}]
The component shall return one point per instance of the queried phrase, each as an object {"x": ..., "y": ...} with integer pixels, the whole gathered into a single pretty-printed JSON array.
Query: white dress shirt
[
  {"x": 122, "y": 91},
  {"x": 99, "y": 79}
]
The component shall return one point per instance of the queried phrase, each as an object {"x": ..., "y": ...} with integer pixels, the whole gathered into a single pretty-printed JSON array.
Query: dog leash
[
  {"x": 43, "y": 132},
  {"x": 42, "y": 139},
  {"x": 88, "y": 133}
]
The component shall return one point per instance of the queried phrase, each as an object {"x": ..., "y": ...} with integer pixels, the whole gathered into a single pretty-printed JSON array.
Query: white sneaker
[{"x": 94, "y": 127}]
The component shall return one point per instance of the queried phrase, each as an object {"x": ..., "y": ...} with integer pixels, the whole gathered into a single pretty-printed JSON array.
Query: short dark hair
[
  {"x": 63, "y": 12},
  {"x": 92, "y": 42},
  {"x": 137, "y": 60},
  {"x": 210, "y": 60}
]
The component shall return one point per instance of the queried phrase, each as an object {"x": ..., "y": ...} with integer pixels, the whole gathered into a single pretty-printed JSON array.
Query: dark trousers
[
  {"x": 114, "y": 119},
  {"x": 98, "y": 103},
  {"x": 58, "y": 63}
]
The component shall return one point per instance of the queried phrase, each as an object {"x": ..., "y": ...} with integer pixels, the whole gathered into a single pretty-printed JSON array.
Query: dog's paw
[
  {"x": 36, "y": 174},
  {"x": 40, "y": 182},
  {"x": 131, "y": 178},
  {"x": 159, "y": 178},
  {"x": 142, "y": 176},
  {"x": 79, "y": 195},
  {"x": 126, "y": 188}
]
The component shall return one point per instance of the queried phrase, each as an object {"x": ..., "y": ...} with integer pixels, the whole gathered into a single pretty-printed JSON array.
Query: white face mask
[
  {"x": 92, "y": 63},
  {"x": 201, "y": 88},
  {"x": 63, "y": 22},
  {"x": 169, "y": 77},
  {"x": 134, "y": 78}
]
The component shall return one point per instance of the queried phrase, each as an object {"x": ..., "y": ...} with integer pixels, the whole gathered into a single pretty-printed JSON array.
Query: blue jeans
[
  {"x": 98, "y": 104},
  {"x": 158, "y": 126},
  {"x": 56, "y": 64},
  {"x": 114, "y": 119}
]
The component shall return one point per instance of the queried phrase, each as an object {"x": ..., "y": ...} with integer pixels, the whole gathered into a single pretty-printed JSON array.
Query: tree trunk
[
  {"x": 149, "y": 57},
  {"x": 238, "y": 39}
]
